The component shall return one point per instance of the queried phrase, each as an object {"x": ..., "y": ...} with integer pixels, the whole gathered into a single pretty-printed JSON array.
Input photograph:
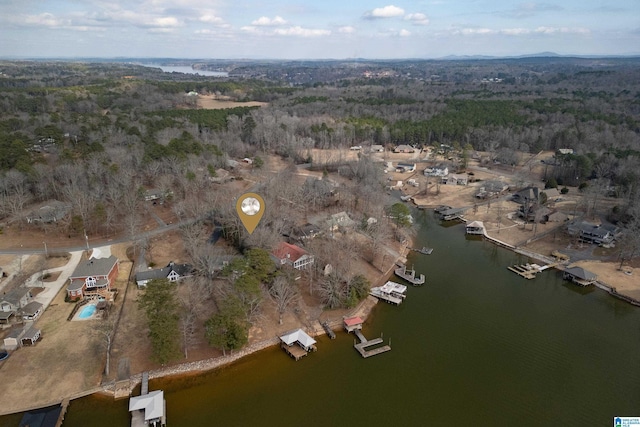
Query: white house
[{"x": 437, "y": 170}]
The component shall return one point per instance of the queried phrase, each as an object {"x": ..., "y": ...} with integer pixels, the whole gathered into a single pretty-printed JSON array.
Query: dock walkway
[{"x": 364, "y": 344}]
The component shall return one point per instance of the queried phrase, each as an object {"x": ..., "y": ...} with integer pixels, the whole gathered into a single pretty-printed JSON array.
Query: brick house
[{"x": 92, "y": 277}]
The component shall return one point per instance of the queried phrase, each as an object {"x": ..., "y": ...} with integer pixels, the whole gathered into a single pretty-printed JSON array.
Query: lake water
[
  {"x": 476, "y": 345},
  {"x": 188, "y": 70}
]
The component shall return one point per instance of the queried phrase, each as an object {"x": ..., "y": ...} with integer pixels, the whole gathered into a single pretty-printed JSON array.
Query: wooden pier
[
  {"x": 529, "y": 271},
  {"x": 364, "y": 344},
  {"x": 294, "y": 351}
]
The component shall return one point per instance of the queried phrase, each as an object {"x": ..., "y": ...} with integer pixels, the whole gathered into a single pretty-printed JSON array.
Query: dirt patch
[
  {"x": 51, "y": 277},
  {"x": 214, "y": 102}
]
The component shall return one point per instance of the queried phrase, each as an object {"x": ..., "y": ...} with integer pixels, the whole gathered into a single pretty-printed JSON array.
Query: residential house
[
  {"x": 156, "y": 194},
  {"x": 579, "y": 276},
  {"x": 557, "y": 216},
  {"x": 292, "y": 255},
  {"x": 456, "y": 179},
  {"x": 92, "y": 277},
  {"x": 527, "y": 196},
  {"x": 565, "y": 151},
  {"x": 406, "y": 167},
  {"x": 593, "y": 233},
  {"x": 307, "y": 231},
  {"x": 533, "y": 213},
  {"x": 172, "y": 272},
  {"x": 341, "y": 220},
  {"x": 491, "y": 188},
  {"x": 15, "y": 300},
  {"x": 32, "y": 310},
  {"x": 377, "y": 148},
  {"x": 404, "y": 149},
  {"x": 52, "y": 212},
  {"x": 437, "y": 170}
]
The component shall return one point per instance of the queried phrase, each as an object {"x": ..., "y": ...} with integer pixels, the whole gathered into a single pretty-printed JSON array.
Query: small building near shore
[
  {"x": 580, "y": 276},
  {"x": 152, "y": 405},
  {"x": 352, "y": 323},
  {"x": 475, "y": 227}
]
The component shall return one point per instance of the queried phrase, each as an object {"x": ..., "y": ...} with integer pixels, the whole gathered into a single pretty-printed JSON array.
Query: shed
[
  {"x": 31, "y": 336},
  {"x": 11, "y": 341}
]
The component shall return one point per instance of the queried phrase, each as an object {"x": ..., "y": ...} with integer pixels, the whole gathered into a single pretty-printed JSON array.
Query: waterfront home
[
  {"x": 579, "y": 276},
  {"x": 172, "y": 272},
  {"x": 92, "y": 277},
  {"x": 292, "y": 255},
  {"x": 475, "y": 227},
  {"x": 377, "y": 148},
  {"x": 593, "y": 233}
]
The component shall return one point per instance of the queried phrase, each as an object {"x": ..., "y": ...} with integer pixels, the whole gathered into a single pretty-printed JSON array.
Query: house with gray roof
[
  {"x": 52, "y": 212},
  {"x": 593, "y": 233},
  {"x": 172, "y": 272},
  {"x": 94, "y": 276},
  {"x": 340, "y": 220},
  {"x": 32, "y": 310},
  {"x": 15, "y": 299},
  {"x": 527, "y": 196}
]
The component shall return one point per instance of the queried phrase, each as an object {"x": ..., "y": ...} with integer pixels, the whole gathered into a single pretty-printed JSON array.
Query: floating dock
[
  {"x": 390, "y": 292},
  {"x": 409, "y": 275},
  {"x": 328, "y": 330},
  {"x": 364, "y": 344},
  {"x": 528, "y": 271}
]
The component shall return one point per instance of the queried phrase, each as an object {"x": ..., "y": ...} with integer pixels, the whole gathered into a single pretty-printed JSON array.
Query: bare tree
[
  {"x": 105, "y": 330},
  {"x": 284, "y": 294}
]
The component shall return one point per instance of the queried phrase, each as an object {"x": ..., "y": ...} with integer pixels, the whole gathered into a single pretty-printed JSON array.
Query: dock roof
[
  {"x": 351, "y": 321},
  {"x": 581, "y": 273},
  {"x": 298, "y": 336},
  {"x": 152, "y": 404}
]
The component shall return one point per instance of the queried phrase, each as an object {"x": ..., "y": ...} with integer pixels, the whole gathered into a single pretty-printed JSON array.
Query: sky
[{"x": 319, "y": 29}]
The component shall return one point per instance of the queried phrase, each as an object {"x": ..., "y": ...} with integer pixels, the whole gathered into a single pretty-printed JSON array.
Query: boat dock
[
  {"x": 409, "y": 275},
  {"x": 328, "y": 330},
  {"x": 529, "y": 271},
  {"x": 424, "y": 251},
  {"x": 364, "y": 344},
  {"x": 148, "y": 409},
  {"x": 390, "y": 292}
]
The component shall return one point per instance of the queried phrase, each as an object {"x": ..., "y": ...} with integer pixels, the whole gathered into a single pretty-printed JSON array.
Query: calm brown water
[{"x": 477, "y": 346}]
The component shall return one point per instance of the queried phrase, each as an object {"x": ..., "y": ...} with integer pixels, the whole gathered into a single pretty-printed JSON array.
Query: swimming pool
[{"x": 87, "y": 311}]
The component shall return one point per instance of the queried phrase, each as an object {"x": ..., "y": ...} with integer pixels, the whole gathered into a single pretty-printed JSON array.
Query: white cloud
[
  {"x": 346, "y": 30},
  {"x": 43, "y": 19},
  {"x": 301, "y": 32},
  {"x": 265, "y": 21},
  {"x": 164, "y": 22},
  {"x": 404, "y": 33},
  {"x": 515, "y": 31},
  {"x": 211, "y": 19},
  {"x": 390, "y": 11},
  {"x": 417, "y": 18},
  {"x": 562, "y": 30}
]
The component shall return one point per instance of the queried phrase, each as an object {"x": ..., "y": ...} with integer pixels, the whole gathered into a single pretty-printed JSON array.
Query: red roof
[
  {"x": 352, "y": 321},
  {"x": 287, "y": 251}
]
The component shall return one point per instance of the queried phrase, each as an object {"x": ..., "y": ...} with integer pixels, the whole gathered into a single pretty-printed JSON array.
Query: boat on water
[
  {"x": 410, "y": 275},
  {"x": 425, "y": 250},
  {"x": 390, "y": 292}
]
